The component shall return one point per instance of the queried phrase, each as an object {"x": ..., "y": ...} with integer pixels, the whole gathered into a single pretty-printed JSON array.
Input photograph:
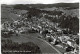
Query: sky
[{"x": 36, "y": 1}]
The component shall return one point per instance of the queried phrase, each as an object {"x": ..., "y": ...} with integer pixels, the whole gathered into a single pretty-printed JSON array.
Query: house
[
  {"x": 50, "y": 31},
  {"x": 64, "y": 38},
  {"x": 71, "y": 43},
  {"x": 39, "y": 27},
  {"x": 16, "y": 22},
  {"x": 48, "y": 35},
  {"x": 5, "y": 25}
]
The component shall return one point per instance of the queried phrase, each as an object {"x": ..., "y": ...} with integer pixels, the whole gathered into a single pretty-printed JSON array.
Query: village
[{"x": 49, "y": 31}]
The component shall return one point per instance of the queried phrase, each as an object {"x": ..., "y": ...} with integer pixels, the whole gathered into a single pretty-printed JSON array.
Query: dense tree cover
[
  {"x": 77, "y": 41},
  {"x": 70, "y": 22},
  {"x": 20, "y": 6},
  {"x": 69, "y": 48}
]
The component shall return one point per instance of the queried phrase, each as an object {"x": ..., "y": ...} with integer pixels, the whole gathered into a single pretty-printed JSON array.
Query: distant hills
[{"x": 72, "y": 5}]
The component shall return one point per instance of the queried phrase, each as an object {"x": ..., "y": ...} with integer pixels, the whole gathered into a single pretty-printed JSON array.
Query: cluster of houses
[{"x": 50, "y": 32}]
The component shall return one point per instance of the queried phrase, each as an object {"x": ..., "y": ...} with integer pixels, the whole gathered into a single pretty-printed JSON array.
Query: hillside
[
  {"x": 9, "y": 14},
  {"x": 72, "y": 5}
]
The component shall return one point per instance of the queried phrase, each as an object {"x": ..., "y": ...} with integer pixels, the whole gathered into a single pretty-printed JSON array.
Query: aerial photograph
[{"x": 40, "y": 28}]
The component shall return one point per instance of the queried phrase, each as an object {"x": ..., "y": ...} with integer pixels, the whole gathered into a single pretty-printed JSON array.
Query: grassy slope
[
  {"x": 23, "y": 38},
  {"x": 7, "y": 15}
]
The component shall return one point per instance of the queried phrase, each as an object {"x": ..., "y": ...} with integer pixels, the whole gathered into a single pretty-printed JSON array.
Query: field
[
  {"x": 72, "y": 12},
  {"x": 8, "y": 14},
  {"x": 23, "y": 38}
]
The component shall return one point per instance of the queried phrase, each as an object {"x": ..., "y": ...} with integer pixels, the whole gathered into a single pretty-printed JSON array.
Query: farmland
[{"x": 72, "y": 12}]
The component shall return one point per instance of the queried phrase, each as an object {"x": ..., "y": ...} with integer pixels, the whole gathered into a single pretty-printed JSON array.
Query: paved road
[{"x": 44, "y": 46}]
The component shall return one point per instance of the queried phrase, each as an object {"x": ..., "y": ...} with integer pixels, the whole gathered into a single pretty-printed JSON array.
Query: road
[{"x": 45, "y": 47}]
